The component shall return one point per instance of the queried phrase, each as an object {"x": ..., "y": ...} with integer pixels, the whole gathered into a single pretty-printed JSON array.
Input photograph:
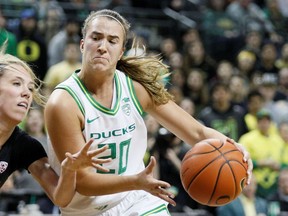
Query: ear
[
  {"x": 81, "y": 45},
  {"x": 121, "y": 54}
]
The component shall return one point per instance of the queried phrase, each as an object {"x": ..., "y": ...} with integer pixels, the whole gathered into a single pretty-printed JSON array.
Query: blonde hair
[
  {"x": 149, "y": 71},
  {"x": 8, "y": 60}
]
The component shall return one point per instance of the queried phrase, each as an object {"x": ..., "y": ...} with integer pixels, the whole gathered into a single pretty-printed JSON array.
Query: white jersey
[{"x": 122, "y": 128}]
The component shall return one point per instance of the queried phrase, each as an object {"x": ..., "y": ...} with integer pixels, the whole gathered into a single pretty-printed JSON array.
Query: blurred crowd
[{"x": 229, "y": 71}]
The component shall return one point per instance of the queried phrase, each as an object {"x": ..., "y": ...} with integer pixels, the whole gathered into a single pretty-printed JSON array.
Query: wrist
[
  {"x": 66, "y": 169},
  {"x": 133, "y": 181}
]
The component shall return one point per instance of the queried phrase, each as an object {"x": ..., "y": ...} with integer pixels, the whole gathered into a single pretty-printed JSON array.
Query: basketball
[{"x": 213, "y": 172}]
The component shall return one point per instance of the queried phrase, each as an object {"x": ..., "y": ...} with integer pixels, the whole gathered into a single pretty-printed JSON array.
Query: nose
[
  {"x": 102, "y": 46},
  {"x": 26, "y": 92}
]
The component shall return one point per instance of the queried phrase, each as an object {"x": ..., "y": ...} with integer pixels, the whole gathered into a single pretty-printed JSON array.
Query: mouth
[
  {"x": 100, "y": 58},
  {"x": 23, "y": 104}
]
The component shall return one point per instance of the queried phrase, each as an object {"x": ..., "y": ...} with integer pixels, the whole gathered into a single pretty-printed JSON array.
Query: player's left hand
[
  {"x": 85, "y": 158},
  {"x": 246, "y": 158},
  {"x": 156, "y": 187}
]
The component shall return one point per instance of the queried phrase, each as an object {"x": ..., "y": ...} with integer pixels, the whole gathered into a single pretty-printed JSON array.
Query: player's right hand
[{"x": 85, "y": 158}]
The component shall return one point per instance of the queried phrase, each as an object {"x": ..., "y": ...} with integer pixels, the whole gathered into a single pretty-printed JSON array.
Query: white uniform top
[{"x": 122, "y": 128}]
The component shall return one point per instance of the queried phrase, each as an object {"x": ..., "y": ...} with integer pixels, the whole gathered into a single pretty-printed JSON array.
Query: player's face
[
  {"x": 16, "y": 87},
  {"x": 102, "y": 46}
]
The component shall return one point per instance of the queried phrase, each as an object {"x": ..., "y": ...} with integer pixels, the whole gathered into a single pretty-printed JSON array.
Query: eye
[
  {"x": 95, "y": 37},
  {"x": 114, "y": 41},
  {"x": 16, "y": 83},
  {"x": 31, "y": 88}
]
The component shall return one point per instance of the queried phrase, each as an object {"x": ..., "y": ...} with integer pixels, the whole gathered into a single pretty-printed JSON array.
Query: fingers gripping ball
[{"x": 213, "y": 172}]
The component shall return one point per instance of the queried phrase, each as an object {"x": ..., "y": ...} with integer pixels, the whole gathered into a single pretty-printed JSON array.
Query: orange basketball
[{"x": 213, "y": 172}]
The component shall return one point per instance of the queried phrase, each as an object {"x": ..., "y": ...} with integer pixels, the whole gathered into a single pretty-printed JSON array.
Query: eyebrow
[
  {"x": 20, "y": 78},
  {"x": 99, "y": 33}
]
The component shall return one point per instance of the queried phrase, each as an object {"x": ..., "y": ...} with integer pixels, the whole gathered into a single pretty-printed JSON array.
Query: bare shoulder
[
  {"x": 60, "y": 101},
  {"x": 142, "y": 95},
  {"x": 61, "y": 106},
  {"x": 64, "y": 123}
]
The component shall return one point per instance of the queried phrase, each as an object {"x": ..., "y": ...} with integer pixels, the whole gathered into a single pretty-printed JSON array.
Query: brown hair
[{"x": 149, "y": 71}]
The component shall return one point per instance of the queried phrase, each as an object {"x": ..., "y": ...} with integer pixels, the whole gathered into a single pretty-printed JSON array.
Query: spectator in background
[
  {"x": 283, "y": 80},
  {"x": 271, "y": 94},
  {"x": 195, "y": 56},
  {"x": 246, "y": 64},
  {"x": 247, "y": 204},
  {"x": 254, "y": 104},
  {"x": 197, "y": 89},
  {"x": 221, "y": 114},
  {"x": 167, "y": 47},
  {"x": 51, "y": 19},
  {"x": 239, "y": 87},
  {"x": 35, "y": 127},
  {"x": 280, "y": 111},
  {"x": 253, "y": 43},
  {"x": 267, "y": 60},
  {"x": 70, "y": 32},
  {"x": 265, "y": 149},
  {"x": 191, "y": 35},
  {"x": 177, "y": 78},
  {"x": 221, "y": 34},
  {"x": 188, "y": 105},
  {"x": 175, "y": 61},
  {"x": 171, "y": 152},
  {"x": 77, "y": 9},
  {"x": 224, "y": 71},
  {"x": 283, "y": 132},
  {"x": 177, "y": 93},
  {"x": 282, "y": 61},
  {"x": 278, "y": 202},
  {"x": 251, "y": 17},
  {"x": 279, "y": 21},
  {"x": 62, "y": 70},
  {"x": 6, "y": 35},
  {"x": 31, "y": 45}
]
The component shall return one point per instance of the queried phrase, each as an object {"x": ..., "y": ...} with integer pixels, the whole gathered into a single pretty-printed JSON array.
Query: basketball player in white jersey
[{"x": 105, "y": 100}]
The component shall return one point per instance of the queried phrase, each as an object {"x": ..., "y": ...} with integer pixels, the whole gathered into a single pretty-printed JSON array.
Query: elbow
[{"x": 61, "y": 203}]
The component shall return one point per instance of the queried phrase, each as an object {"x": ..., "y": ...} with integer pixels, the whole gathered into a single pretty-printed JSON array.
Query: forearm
[
  {"x": 93, "y": 184},
  {"x": 65, "y": 188},
  {"x": 211, "y": 133}
]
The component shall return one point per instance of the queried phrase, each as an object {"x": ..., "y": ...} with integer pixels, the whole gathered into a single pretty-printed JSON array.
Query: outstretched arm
[
  {"x": 183, "y": 125},
  {"x": 62, "y": 189}
]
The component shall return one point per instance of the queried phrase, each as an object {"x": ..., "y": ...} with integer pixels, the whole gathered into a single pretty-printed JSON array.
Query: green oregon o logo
[{"x": 25, "y": 45}]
